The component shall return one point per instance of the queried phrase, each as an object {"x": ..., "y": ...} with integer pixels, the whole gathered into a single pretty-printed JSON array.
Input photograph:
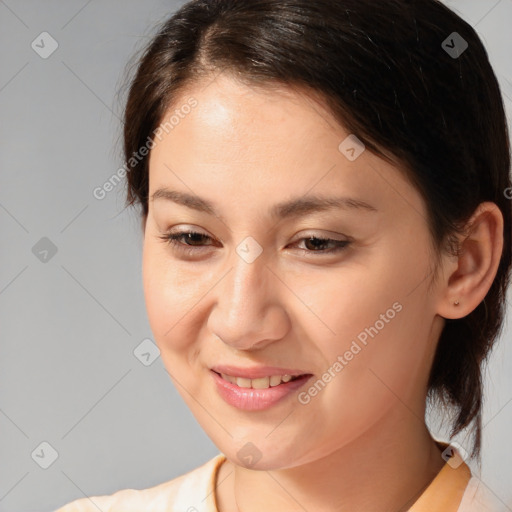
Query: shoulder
[
  {"x": 479, "y": 498},
  {"x": 190, "y": 492}
]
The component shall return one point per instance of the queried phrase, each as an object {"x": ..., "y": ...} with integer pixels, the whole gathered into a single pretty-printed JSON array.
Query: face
[{"x": 337, "y": 293}]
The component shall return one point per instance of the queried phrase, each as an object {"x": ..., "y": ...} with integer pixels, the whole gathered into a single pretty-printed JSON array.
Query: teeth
[
  {"x": 275, "y": 380},
  {"x": 228, "y": 378},
  {"x": 261, "y": 383},
  {"x": 243, "y": 383}
]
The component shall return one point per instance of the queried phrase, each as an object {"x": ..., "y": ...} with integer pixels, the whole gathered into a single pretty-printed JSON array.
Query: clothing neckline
[{"x": 444, "y": 492}]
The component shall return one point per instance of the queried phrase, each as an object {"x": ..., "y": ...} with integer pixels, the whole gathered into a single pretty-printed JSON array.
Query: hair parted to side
[{"x": 382, "y": 71}]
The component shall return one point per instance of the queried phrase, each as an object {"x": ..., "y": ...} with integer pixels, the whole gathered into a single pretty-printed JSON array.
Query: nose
[{"x": 249, "y": 313}]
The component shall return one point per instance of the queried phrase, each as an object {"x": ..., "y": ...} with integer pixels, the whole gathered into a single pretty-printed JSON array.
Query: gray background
[{"x": 70, "y": 324}]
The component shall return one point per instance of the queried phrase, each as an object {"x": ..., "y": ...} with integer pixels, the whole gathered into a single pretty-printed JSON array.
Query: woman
[{"x": 327, "y": 245}]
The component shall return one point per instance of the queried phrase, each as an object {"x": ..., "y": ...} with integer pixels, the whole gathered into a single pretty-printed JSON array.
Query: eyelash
[{"x": 172, "y": 240}]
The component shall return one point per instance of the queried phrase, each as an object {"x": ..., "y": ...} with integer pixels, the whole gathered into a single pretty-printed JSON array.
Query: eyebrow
[{"x": 300, "y": 206}]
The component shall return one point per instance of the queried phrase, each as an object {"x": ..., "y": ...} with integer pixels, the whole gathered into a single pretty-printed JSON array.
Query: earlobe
[{"x": 472, "y": 272}]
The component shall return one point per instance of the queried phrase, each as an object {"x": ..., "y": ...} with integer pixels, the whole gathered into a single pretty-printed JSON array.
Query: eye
[
  {"x": 316, "y": 241},
  {"x": 193, "y": 241},
  {"x": 173, "y": 239}
]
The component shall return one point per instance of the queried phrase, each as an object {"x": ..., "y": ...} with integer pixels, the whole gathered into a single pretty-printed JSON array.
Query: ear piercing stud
[{"x": 456, "y": 303}]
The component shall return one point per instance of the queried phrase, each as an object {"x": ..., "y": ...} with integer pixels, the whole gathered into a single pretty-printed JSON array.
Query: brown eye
[
  {"x": 316, "y": 244},
  {"x": 192, "y": 239}
]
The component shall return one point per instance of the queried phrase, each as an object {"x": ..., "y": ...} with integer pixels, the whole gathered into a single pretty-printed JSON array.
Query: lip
[
  {"x": 250, "y": 399},
  {"x": 257, "y": 372}
]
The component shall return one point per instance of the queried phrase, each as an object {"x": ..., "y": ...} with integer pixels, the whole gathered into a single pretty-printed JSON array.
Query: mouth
[
  {"x": 260, "y": 393},
  {"x": 266, "y": 382}
]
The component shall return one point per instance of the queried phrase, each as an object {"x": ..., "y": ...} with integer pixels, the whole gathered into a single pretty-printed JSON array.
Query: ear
[{"x": 469, "y": 275}]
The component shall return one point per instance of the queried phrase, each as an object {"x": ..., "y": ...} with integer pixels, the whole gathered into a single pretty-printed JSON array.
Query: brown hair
[{"x": 385, "y": 73}]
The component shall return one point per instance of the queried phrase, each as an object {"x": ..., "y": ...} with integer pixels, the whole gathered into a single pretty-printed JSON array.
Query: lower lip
[{"x": 250, "y": 399}]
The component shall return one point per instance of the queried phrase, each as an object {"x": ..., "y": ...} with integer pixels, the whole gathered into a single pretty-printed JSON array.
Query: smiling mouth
[{"x": 262, "y": 382}]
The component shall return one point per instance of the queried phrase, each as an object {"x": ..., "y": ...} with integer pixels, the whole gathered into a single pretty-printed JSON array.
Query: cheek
[
  {"x": 343, "y": 302},
  {"x": 169, "y": 296},
  {"x": 377, "y": 319}
]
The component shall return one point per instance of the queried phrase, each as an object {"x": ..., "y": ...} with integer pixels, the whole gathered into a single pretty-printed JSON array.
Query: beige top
[{"x": 452, "y": 490}]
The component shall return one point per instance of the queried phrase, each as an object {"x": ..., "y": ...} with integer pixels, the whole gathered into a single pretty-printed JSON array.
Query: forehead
[
  {"x": 239, "y": 142},
  {"x": 250, "y": 121}
]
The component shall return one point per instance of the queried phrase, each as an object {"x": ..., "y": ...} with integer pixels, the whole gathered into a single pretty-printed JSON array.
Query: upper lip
[{"x": 256, "y": 372}]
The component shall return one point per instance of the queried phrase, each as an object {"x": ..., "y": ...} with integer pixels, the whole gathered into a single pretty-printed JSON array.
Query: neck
[{"x": 386, "y": 468}]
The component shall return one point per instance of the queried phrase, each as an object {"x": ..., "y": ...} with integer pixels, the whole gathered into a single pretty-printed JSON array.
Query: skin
[{"x": 361, "y": 443}]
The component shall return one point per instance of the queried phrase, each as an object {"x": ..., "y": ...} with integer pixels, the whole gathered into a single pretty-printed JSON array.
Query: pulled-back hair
[{"x": 385, "y": 72}]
